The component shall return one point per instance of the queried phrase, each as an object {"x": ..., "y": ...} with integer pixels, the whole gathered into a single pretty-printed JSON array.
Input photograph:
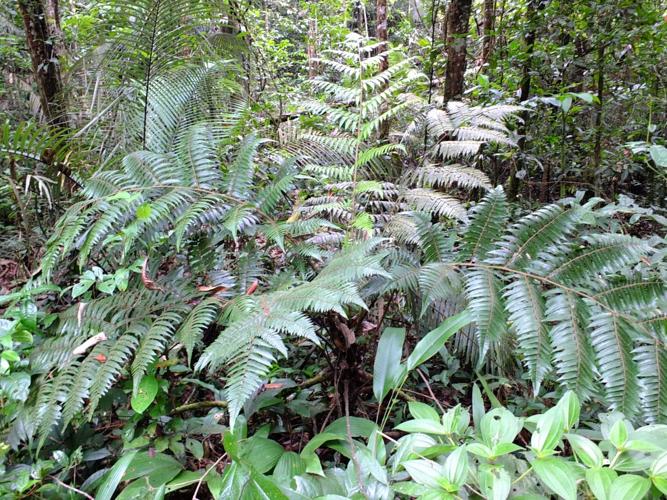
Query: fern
[
  {"x": 205, "y": 221},
  {"x": 586, "y": 303}
]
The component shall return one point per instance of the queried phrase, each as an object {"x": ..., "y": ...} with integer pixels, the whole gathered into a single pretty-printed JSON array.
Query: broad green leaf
[
  {"x": 107, "y": 286},
  {"x": 499, "y": 426},
  {"x": 586, "y": 450},
  {"x": 658, "y": 473},
  {"x": 358, "y": 427},
  {"x": 456, "y": 467},
  {"x": 477, "y": 406},
  {"x": 114, "y": 477},
  {"x": 81, "y": 287},
  {"x": 214, "y": 483},
  {"x": 600, "y": 481},
  {"x": 558, "y": 475},
  {"x": 630, "y": 487},
  {"x": 456, "y": 420},
  {"x": 263, "y": 487},
  {"x": 144, "y": 211},
  {"x": 234, "y": 481},
  {"x": 387, "y": 366},
  {"x": 481, "y": 450},
  {"x": 231, "y": 444},
  {"x": 313, "y": 465},
  {"x": 659, "y": 155},
  {"x": 262, "y": 453},
  {"x": 409, "y": 446},
  {"x": 410, "y": 489},
  {"x": 145, "y": 393},
  {"x": 289, "y": 465},
  {"x": 504, "y": 448},
  {"x": 157, "y": 468},
  {"x": 15, "y": 386},
  {"x": 424, "y": 472},
  {"x": 571, "y": 407},
  {"x": 184, "y": 479},
  {"x": 548, "y": 432},
  {"x": 435, "y": 340},
  {"x": 423, "y": 411},
  {"x": 618, "y": 435},
  {"x": 422, "y": 425},
  {"x": 11, "y": 356},
  {"x": 495, "y": 482},
  {"x": 195, "y": 447}
]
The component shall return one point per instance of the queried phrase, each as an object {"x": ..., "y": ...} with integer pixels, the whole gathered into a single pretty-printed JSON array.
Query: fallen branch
[
  {"x": 200, "y": 405},
  {"x": 95, "y": 339}
]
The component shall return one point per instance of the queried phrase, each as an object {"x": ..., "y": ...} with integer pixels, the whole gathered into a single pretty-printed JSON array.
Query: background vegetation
[{"x": 333, "y": 249}]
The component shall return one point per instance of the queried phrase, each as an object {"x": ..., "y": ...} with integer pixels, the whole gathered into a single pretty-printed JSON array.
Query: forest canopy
[{"x": 366, "y": 249}]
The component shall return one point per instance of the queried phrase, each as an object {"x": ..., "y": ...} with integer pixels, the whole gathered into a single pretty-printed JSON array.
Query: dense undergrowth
[{"x": 223, "y": 278}]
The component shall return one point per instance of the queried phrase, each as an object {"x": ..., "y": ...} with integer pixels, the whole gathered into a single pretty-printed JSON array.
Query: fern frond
[
  {"x": 637, "y": 296},
  {"x": 238, "y": 177},
  {"x": 603, "y": 254},
  {"x": 536, "y": 232},
  {"x": 452, "y": 150},
  {"x": 570, "y": 338},
  {"x": 487, "y": 224},
  {"x": 651, "y": 359},
  {"x": 192, "y": 329},
  {"x": 483, "y": 287},
  {"x": 526, "y": 313},
  {"x": 438, "y": 282},
  {"x": 450, "y": 175},
  {"x": 151, "y": 345},
  {"x": 612, "y": 340},
  {"x": 196, "y": 151},
  {"x": 436, "y": 203}
]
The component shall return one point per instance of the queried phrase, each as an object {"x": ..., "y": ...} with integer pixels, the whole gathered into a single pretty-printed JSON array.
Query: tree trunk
[
  {"x": 44, "y": 57},
  {"x": 489, "y": 26},
  {"x": 381, "y": 31},
  {"x": 597, "y": 152},
  {"x": 458, "y": 16},
  {"x": 529, "y": 40},
  {"x": 55, "y": 29},
  {"x": 312, "y": 47}
]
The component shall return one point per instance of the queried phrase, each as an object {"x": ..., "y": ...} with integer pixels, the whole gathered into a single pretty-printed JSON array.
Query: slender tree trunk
[
  {"x": 529, "y": 41},
  {"x": 597, "y": 151},
  {"x": 312, "y": 47},
  {"x": 488, "y": 26},
  {"x": 44, "y": 59},
  {"x": 458, "y": 17},
  {"x": 381, "y": 30},
  {"x": 382, "y": 34},
  {"x": 55, "y": 29}
]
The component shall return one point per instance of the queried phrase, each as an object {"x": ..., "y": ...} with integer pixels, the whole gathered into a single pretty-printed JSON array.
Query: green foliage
[
  {"x": 238, "y": 247},
  {"x": 553, "y": 283},
  {"x": 442, "y": 456}
]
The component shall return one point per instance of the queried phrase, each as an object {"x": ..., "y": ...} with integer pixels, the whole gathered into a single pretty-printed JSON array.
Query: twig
[
  {"x": 95, "y": 339},
  {"x": 430, "y": 391},
  {"x": 71, "y": 488},
  {"x": 199, "y": 405},
  {"x": 201, "y": 479}
]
